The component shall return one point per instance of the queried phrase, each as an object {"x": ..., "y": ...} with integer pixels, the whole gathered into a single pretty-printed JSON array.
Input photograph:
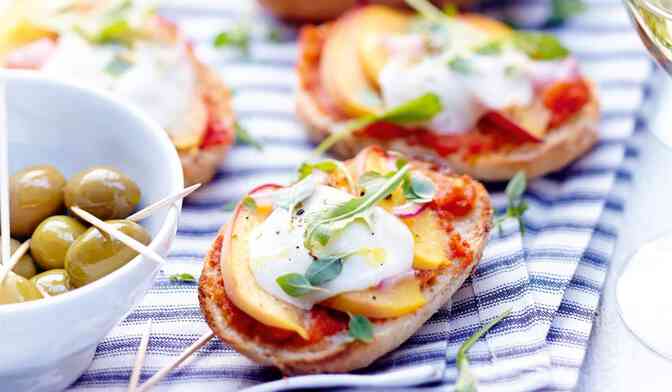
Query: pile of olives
[{"x": 64, "y": 253}]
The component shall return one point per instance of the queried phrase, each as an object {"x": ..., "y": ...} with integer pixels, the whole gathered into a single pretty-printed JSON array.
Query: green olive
[
  {"x": 51, "y": 283},
  {"x": 16, "y": 288},
  {"x": 36, "y": 192},
  {"x": 26, "y": 266},
  {"x": 52, "y": 238},
  {"x": 94, "y": 254},
  {"x": 103, "y": 191}
]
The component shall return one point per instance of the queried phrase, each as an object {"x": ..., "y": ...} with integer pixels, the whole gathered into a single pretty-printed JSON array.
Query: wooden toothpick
[
  {"x": 5, "y": 229},
  {"x": 158, "y": 376},
  {"x": 152, "y": 208},
  {"x": 14, "y": 260},
  {"x": 140, "y": 358},
  {"x": 125, "y": 239}
]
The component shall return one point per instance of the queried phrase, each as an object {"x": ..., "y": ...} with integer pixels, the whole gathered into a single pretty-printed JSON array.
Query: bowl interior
[{"x": 73, "y": 129}]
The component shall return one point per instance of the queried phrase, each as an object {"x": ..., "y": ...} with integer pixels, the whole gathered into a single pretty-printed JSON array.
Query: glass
[{"x": 643, "y": 290}]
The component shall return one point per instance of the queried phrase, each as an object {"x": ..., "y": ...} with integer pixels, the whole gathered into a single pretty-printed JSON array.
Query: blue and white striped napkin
[{"x": 552, "y": 277}]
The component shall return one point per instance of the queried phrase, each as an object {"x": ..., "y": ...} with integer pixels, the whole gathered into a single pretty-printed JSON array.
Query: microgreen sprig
[
  {"x": 418, "y": 189},
  {"x": 516, "y": 204},
  {"x": 334, "y": 219},
  {"x": 239, "y": 37},
  {"x": 320, "y": 271},
  {"x": 466, "y": 382},
  {"x": 417, "y": 110},
  {"x": 182, "y": 278},
  {"x": 243, "y": 136},
  {"x": 327, "y": 166}
]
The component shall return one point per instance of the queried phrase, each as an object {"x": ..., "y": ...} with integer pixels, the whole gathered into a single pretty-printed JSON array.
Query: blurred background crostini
[{"x": 316, "y": 10}]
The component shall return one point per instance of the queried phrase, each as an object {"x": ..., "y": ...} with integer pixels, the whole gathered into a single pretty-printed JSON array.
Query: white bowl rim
[{"x": 175, "y": 167}]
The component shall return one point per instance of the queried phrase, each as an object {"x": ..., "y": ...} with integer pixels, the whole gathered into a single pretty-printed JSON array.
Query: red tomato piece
[{"x": 565, "y": 99}]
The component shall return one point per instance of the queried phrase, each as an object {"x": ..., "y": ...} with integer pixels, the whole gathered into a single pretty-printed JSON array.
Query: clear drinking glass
[{"x": 644, "y": 288}]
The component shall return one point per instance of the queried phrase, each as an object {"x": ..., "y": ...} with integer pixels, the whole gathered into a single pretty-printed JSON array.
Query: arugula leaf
[
  {"x": 360, "y": 328},
  {"x": 332, "y": 220},
  {"x": 324, "y": 270},
  {"x": 306, "y": 168},
  {"x": 540, "y": 46},
  {"x": 370, "y": 181},
  {"x": 117, "y": 66},
  {"x": 516, "y": 205},
  {"x": 419, "y": 189},
  {"x": 294, "y": 284},
  {"x": 243, "y": 136},
  {"x": 466, "y": 382},
  {"x": 183, "y": 277},
  {"x": 420, "y": 109},
  {"x": 562, "y": 10},
  {"x": 238, "y": 37},
  {"x": 461, "y": 65}
]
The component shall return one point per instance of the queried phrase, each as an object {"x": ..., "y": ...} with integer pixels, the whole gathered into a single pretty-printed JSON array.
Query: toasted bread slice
[
  {"x": 560, "y": 146},
  {"x": 310, "y": 10},
  {"x": 200, "y": 164},
  {"x": 336, "y": 352},
  {"x": 210, "y": 105}
]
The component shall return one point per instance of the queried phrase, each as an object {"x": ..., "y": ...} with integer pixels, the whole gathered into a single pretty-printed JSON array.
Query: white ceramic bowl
[{"x": 46, "y": 345}]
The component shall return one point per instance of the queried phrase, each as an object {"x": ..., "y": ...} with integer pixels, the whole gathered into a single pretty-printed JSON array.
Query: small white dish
[{"x": 46, "y": 345}]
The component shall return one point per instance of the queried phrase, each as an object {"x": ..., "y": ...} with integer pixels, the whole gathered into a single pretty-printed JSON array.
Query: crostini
[
  {"x": 504, "y": 100},
  {"x": 320, "y": 11},
  {"x": 126, "y": 48},
  {"x": 334, "y": 271}
]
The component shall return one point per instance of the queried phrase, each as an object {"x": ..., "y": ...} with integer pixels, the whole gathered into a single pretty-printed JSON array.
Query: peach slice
[
  {"x": 239, "y": 282},
  {"x": 377, "y": 24},
  {"x": 401, "y": 298},
  {"x": 341, "y": 72}
]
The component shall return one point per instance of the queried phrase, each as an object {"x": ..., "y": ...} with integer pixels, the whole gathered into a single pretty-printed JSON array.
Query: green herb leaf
[
  {"x": 249, "y": 202},
  {"x": 461, "y": 65},
  {"x": 183, "y": 277},
  {"x": 490, "y": 48},
  {"x": 117, "y": 66},
  {"x": 419, "y": 189},
  {"x": 360, "y": 328},
  {"x": 294, "y": 284},
  {"x": 306, "y": 168},
  {"x": 466, "y": 382},
  {"x": 516, "y": 205},
  {"x": 420, "y": 109},
  {"x": 562, "y": 10},
  {"x": 540, "y": 46},
  {"x": 238, "y": 37},
  {"x": 324, "y": 270},
  {"x": 516, "y": 186},
  {"x": 334, "y": 219},
  {"x": 243, "y": 136}
]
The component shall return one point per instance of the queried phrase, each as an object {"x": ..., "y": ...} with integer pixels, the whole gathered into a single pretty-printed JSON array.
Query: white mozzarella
[
  {"x": 492, "y": 82},
  {"x": 161, "y": 79},
  {"x": 385, "y": 250}
]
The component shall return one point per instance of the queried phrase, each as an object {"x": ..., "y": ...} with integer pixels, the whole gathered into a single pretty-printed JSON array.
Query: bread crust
[
  {"x": 336, "y": 353},
  {"x": 200, "y": 164},
  {"x": 560, "y": 147}
]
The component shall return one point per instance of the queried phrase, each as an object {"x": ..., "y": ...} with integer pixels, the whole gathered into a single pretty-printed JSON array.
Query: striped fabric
[{"x": 552, "y": 278}]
